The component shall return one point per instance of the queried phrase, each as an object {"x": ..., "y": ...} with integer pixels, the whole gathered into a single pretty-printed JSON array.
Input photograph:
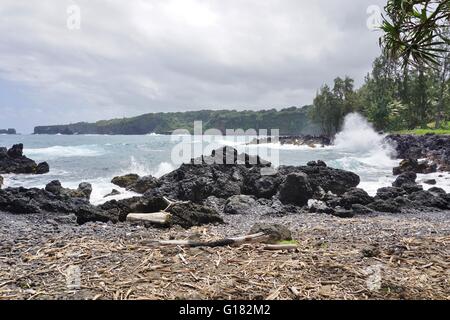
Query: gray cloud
[{"x": 142, "y": 56}]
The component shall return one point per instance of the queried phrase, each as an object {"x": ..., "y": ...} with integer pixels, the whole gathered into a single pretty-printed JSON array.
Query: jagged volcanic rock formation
[{"x": 13, "y": 161}]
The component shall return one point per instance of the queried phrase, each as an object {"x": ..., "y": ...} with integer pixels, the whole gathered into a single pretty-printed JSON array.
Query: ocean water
[{"x": 98, "y": 158}]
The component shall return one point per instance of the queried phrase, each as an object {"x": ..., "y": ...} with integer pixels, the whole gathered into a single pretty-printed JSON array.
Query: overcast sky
[{"x": 139, "y": 56}]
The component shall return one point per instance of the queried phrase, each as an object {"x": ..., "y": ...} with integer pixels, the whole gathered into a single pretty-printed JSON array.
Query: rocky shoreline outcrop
[
  {"x": 227, "y": 183},
  {"x": 299, "y": 140},
  {"x": 421, "y": 153},
  {"x": 13, "y": 161}
]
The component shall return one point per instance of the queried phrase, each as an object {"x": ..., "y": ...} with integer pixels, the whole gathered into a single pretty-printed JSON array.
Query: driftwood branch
[
  {"x": 276, "y": 247},
  {"x": 257, "y": 237},
  {"x": 162, "y": 218},
  {"x": 171, "y": 203}
]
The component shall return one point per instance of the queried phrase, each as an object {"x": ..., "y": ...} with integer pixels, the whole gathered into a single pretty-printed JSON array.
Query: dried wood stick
[{"x": 257, "y": 237}]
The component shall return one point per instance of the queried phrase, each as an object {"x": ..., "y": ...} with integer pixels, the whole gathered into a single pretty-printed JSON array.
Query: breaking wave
[
  {"x": 65, "y": 152},
  {"x": 141, "y": 168}
]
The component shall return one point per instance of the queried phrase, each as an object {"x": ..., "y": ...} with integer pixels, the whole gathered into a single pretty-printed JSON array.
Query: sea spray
[
  {"x": 163, "y": 169},
  {"x": 55, "y": 152},
  {"x": 137, "y": 167},
  {"x": 359, "y": 138},
  {"x": 365, "y": 152},
  {"x": 143, "y": 169}
]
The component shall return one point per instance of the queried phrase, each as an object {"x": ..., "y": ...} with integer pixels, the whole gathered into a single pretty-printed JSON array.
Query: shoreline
[{"x": 340, "y": 237}]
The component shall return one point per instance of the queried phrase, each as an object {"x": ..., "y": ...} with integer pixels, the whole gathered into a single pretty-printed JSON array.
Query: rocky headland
[{"x": 8, "y": 131}]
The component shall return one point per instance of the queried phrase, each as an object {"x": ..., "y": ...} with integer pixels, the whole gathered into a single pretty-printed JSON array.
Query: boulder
[
  {"x": 143, "y": 184},
  {"x": 189, "y": 214},
  {"x": 295, "y": 189},
  {"x": 28, "y": 201},
  {"x": 430, "y": 182},
  {"x": 317, "y": 206},
  {"x": 240, "y": 204},
  {"x": 413, "y": 165},
  {"x": 261, "y": 186},
  {"x": 389, "y": 205},
  {"x": 217, "y": 204},
  {"x": 126, "y": 180},
  {"x": 16, "y": 151},
  {"x": 198, "y": 182},
  {"x": 343, "y": 213},
  {"x": 184, "y": 214},
  {"x": 230, "y": 156},
  {"x": 389, "y": 193},
  {"x": 355, "y": 196},
  {"x": 84, "y": 190},
  {"x": 412, "y": 187},
  {"x": 272, "y": 207},
  {"x": 428, "y": 199},
  {"x": 437, "y": 192},
  {"x": 13, "y": 161},
  {"x": 359, "y": 209},
  {"x": 114, "y": 192},
  {"x": 42, "y": 168},
  {"x": 54, "y": 187},
  {"x": 408, "y": 177},
  {"x": 121, "y": 208},
  {"x": 318, "y": 163},
  {"x": 334, "y": 180},
  {"x": 276, "y": 232}
]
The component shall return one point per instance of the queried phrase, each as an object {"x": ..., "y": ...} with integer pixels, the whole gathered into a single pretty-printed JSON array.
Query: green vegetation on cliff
[
  {"x": 392, "y": 97},
  {"x": 290, "y": 121}
]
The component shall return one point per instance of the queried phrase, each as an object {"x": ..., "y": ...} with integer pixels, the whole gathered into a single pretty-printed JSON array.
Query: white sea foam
[
  {"x": 362, "y": 147},
  {"x": 442, "y": 180},
  {"x": 359, "y": 137},
  {"x": 65, "y": 152},
  {"x": 137, "y": 167},
  {"x": 288, "y": 146},
  {"x": 102, "y": 186},
  {"x": 163, "y": 169},
  {"x": 142, "y": 168}
]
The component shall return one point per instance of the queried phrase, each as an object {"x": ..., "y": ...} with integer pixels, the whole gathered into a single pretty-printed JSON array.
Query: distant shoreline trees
[
  {"x": 392, "y": 98},
  {"x": 409, "y": 85}
]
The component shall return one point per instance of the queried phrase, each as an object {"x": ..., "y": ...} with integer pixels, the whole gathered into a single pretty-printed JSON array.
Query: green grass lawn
[
  {"x": 430, "y": 129},
  {"x": 424, "y": 131}
]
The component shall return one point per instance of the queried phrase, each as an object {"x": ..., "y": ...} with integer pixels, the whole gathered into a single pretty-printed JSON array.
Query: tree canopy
[{"x": 416, "y": 32}]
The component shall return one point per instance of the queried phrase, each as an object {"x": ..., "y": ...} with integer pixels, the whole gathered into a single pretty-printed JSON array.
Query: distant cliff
[
  {"x": 290, "y": 121},
  {"x": 8, "y": 131}
]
